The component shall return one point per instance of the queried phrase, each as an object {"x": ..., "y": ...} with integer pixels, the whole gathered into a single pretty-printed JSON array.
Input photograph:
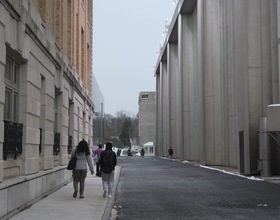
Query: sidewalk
[{"x": 62, "y": 205}]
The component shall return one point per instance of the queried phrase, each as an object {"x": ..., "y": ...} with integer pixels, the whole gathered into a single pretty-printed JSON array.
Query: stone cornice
[
  {"x": 38, "y": 42},
  {"x": 10, "y": 9}
]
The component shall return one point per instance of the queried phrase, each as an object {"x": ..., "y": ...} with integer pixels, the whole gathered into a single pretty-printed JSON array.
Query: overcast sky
[{"x": 126, "y": 38}]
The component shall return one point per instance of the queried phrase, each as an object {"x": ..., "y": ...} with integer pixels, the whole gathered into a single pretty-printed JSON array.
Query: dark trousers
[
  {"x": 79, "y": 176},
  {"x": 98, "y": 171}
]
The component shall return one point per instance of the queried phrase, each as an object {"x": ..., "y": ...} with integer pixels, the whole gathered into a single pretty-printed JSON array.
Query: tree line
[{"x": 121, "y": 129}]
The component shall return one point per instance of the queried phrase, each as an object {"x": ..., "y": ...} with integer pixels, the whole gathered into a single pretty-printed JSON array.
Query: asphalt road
[{"x": 160, "y": 189}]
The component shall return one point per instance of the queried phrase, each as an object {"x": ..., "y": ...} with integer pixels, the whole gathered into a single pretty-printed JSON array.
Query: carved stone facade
[{"x": 45, "y": 95}]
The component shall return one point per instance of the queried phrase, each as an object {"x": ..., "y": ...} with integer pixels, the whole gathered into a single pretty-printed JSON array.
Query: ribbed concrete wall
[{"x": 222, "y": 72}]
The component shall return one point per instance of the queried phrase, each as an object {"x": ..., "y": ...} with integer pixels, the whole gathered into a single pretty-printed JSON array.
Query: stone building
[
  {"x": 147, "y": 117},
  {"x": 45, "y": 95},
  {"x": 216, "y": 74}
]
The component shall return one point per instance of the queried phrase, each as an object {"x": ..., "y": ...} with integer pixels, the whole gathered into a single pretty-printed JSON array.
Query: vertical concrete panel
[
  {"x": 209, "y": 80},
  {"x": 180, "y": 131},
  {"x": 217, "y": 83},
  {"x": 274, "y": 51},
  {"x": 278, "y": 47},
  {"x": 257, "y": 64},
  {"x": 193, "y": 131},
  {"x": 160, "y": 112},
  {"x": 185, "y": 47},
  {"x": 158, "y": 116},
  {"x": 231, "y": 135},
  {"x": 254, "y": 74},
  {"x": 241, "y": 76},
  {"x": 172, "y": 63},
  {"x": 165, "y": 110},
  {"x": 254, "y": 33},
  {"x": 255, "y": 104},
  {"x": 224, "y": 80},
  {"x": 192, "y": 67},
  {"x": 161, "y": 123},
  {"x": 227, "y": 109},
  {"x": 187, "y": 76},
  {"x": 2, "y": 96},
  {"x": 199, "y": 107},
  {"x": 266, "y": 55}
]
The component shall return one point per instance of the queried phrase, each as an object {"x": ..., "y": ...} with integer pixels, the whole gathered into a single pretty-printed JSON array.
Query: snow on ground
[
  {"x": 221, "y": 170},
  {"x": 232, "y": 173}
]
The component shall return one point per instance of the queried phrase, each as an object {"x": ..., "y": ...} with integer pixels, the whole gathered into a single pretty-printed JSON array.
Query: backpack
[{"x": 108, "y": 162}]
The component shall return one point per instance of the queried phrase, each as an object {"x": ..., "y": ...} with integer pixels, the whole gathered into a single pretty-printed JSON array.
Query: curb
[{"x": 109, "y": 206}]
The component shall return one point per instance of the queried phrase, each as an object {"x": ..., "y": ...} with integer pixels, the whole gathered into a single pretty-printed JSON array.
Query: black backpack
[{"x": 108, "y": 162}]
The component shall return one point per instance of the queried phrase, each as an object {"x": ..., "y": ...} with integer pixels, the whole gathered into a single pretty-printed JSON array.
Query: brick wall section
[
  {"x": 70, "y": 22},
  {"x": 46, "y": 11},
  {"x": 73, "y": 32}
]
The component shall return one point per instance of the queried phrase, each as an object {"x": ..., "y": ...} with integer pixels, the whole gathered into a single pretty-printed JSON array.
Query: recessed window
[
  {"x": 13, "y": 130},
  {"x": 11, "y": 90},
  {"x": 145, "y": 96}
]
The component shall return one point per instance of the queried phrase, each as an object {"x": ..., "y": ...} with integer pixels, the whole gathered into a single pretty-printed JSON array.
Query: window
[
  {"x": 78, "y": 122},
  {"x": 57, "y": 100},
  {"x": 12, "y": 130},
  {"x": 145, "y": 96},
  {"x": 70, "y": 144},
  {"x": 12, "y": 139},
  {"x": 56, "y": 145},
  {"x": 55, "y": 124},
  {"x": 43, "y": 111},
  {"x": 70, "y": 125},
  {"x": 40, "y": 143},
  {"x": 11, "y": 90}
]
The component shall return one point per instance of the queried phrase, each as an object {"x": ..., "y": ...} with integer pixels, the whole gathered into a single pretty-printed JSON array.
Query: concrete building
[
  {"x": 217, "y": 72},
  {"x": 147, "y": 117},
  {"x": 45, "y": 95}
]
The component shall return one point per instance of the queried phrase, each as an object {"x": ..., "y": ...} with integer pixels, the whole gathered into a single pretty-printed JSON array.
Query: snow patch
[{"x": 231, "y": 173}]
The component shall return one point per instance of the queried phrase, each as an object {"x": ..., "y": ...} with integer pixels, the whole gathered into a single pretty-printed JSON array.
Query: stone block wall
[{"x": 52, "y": 97}]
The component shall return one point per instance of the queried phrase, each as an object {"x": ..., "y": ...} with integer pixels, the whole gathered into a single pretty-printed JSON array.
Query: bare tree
[{"x": 116, "y": 127}]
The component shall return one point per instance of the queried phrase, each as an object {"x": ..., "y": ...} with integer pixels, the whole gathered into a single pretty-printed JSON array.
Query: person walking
[
  {"x": 108, "y": 161},
  {"x": 170, "y": 152},
  {"x": 80, "y": 172},
  {"x": 97, "y": 154},
  {"x": 142, "y": 152}
]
